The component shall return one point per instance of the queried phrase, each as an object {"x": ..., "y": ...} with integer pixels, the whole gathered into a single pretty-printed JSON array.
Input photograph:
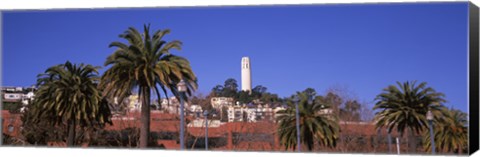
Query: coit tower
[{"x": 246, "y": 75}]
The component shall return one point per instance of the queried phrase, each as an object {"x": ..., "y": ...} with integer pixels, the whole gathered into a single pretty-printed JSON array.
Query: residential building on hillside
[
  {"x": 264, "y": 112},
  {"x": 252, "y": 112},
  {"x": 17, "y": 96},
  {"x": 219, "y": 102},
  {"x": 236, "y": 113},
  {"x": 12, "y": 97},
  {"x": 276, "y": 110},
  {"x": 172, "y": 105},
  {"x": 201, "y": 123},
  {"x": 196, "y": 110},
  {"x": 134, "y": 103}
]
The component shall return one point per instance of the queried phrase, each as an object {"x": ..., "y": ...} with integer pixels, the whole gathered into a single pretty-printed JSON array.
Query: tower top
[{"x": 245, "y": 63}]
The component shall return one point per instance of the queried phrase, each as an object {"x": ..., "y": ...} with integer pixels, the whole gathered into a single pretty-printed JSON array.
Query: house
[
  {"x": 17, "y": 96},
  {"x": 172, "y": 105},
  {"x": 219, "y": 102}
]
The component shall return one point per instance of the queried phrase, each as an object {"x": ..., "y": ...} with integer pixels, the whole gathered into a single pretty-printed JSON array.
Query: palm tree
[
  {"x": 68, "y": 93},
  {"x": 404, "y": 108},
  {"x": 450, "y": 132},
  {"x": 145, "y": 64},
  {"x": 313, "y": 124}
]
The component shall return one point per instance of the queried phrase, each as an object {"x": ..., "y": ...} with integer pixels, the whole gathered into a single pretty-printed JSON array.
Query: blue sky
[{"x": 362, "y": 47}]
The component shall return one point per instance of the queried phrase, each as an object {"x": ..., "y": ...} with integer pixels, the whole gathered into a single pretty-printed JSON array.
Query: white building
[
  {"x": 325, "y": 111},
  {"x": 196, "y": 110},
  {"x": 219, "y": 102},
  {"x": 172, "y": 105},
  {"x": 264, "y": 113},
  {"x": 134, "y": 103},
  {"x": 246, "y": 75},
  {"x": 201, "y": 123},
  {"x": 236, "y": 113},
  {"x": 252, "y": 113},
  {"x": 276, "y": 110},
  {"x": 13, "y": 96},
  {"x": 21, "y": 95}
]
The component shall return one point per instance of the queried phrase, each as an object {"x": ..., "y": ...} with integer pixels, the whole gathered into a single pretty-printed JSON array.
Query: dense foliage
[
  {"x": 405, "y": 107},
  {"x": 68, "y": 95},
  {"x": 450, "y": 133},
  {"x": 314, "y": 126}
]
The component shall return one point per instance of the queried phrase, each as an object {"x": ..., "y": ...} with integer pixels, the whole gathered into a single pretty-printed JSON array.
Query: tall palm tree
[
  {"x": 313, "y": 124},
  {"x": 405, "y": 107},
  {"x": 145, "y": 64},
  {"x": 450, "y": 132},
  {"x": 68, "y": 93}
]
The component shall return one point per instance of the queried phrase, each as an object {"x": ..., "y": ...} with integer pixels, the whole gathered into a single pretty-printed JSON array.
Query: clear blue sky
[{"x": 362, "y": 47}]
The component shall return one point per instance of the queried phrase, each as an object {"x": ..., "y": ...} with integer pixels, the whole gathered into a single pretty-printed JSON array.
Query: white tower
[{"x": 246, "y": 75}]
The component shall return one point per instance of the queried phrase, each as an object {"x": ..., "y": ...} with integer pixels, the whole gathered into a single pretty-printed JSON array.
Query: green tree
[
  {"x": 12, "y": 107},
  {"x": 313, "y": 125},
  {"x": 244, "y": 97},
  {"x": 351, "y": 111},
  {"x": 258, "y": 91},
  {"x": 230, "y": 88},
  {"x": 38, "y": 129},
  {"x": 231, "y": 84},
  {"x": 331, "y": 99},
  {"x": 405, "y": 107},
  {"x": 145, "y": 64},
  {"x": 217, "y": 90},
  {"x": 450, "y": 132},
  {"x": 310, "y": 92},
  {"x": 270, "y": 98},
  {"x": 68, "y": 93}
]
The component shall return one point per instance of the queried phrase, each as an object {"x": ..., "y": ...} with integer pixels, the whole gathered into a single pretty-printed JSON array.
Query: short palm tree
[
  {"x": 450, "y": 132},
  {"x": 68, "y": 93},
  {"x": 145, "y": 64},
  {"x": 405, "y": 107},
  {"x": 314, "y": 126}
]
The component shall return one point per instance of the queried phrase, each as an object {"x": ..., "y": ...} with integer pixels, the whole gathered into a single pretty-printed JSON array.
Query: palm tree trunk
[
  {"x": 459, "y": 150},
  {"x": 145, "y": 118},
  {"x": 407, "y": 137},
  {"x": 389, "y": 138},
  {"x": 412, "y": 141},
  {"x": 71, "y": 133}
]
